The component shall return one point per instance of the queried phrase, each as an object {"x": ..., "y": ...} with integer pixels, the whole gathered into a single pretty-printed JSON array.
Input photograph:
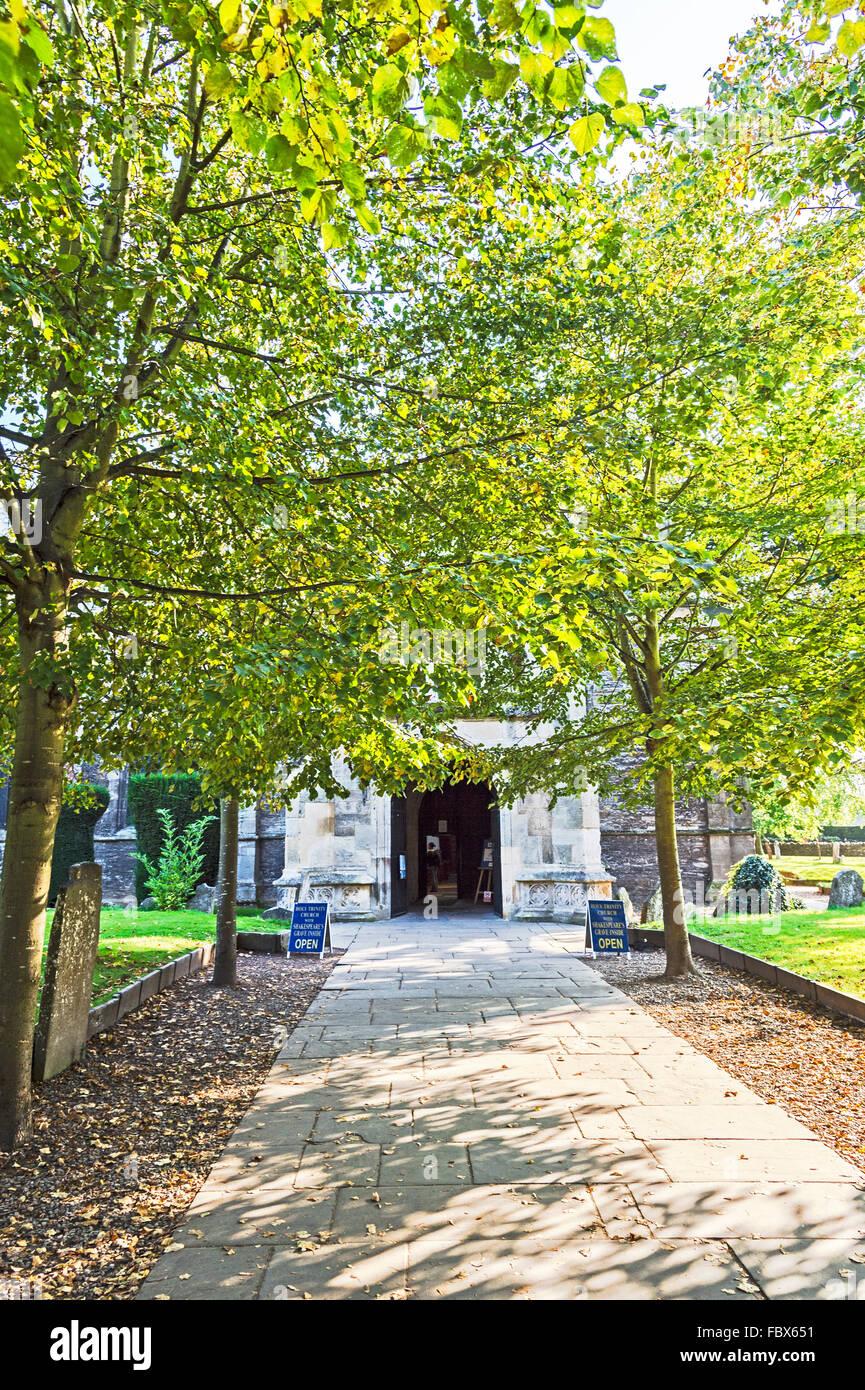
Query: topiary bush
[
  {"x": 181, "y": 795},
  {"x": 756, "y": 874},
  {"x": 84, "y": 805}
]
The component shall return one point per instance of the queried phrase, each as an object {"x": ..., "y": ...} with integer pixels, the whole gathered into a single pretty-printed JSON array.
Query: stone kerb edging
[
  {"x": 835, "y": 999},
  {"x": 105, "y": 1015}
]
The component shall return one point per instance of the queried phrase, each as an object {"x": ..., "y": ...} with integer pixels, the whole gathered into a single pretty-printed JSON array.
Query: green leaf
[
  {"x": 353, "y": 182},
  {"x": 587, "y": 131},
  {"x": 565, "y": 88},
  {"x": 851, "y": 37},
  {"x": 334, "y": 235},
  {"x": 38, "y": 40},
  {"x": 218, "y": 81},
  {"x": 11, "y": 138},
  {"x": 474, "y": 63},
  {"x": 390, "y": 90},
  {"x": 229, "y": 15},
  {"x": 404, "y": 144},
  {"x": 611, "y": 86},
  {"x": 445, "y": 116},
  {"x": 279, "y": 153},
  {"x": 504, "y": 77},
  {"x": 631, "y": 114},
  {"x": 10, "y": 36},
  {"x": 317, "y": 205},
  {"x": 567, "y": 16},
  {"x": 249, "y": 133},
  {"x": 598, "y": 38},
  {"x": 367, "y": 219},
  {"x": 536, "y": 71}
]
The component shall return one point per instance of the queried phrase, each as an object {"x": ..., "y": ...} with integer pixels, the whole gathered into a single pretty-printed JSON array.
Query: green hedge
[
  {"x": 73, "y": 842},
  {"x": 181, "y": 796},
  {"x": 852, "y": 833}
]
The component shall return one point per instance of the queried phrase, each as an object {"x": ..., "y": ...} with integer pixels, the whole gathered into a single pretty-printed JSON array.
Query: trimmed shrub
[
  {"x": 754, "y": 874},
  {"x": 73, "y": 842},
  {"x": 181, "y": 795}
]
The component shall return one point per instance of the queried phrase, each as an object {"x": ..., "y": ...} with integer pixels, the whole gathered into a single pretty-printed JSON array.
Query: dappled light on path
[{"x": 468, "y": 1110}]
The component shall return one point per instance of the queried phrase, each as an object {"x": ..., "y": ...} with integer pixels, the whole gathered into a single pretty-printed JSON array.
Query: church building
[{"x": 367, "y": 854}]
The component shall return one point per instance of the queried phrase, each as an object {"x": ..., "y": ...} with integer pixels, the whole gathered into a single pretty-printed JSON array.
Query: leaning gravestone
[
  {"x": 653, "y": 908},
  {"x": 846, "y": 890},
  {"x": 203, "y": 899},
  {"x": 68, "y": 985},
  {"x": 624, "y": 897}
]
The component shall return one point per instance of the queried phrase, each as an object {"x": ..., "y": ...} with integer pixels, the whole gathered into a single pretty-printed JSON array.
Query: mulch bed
[
  {"x": 791, "y": 1052},
  {"x": 124, "y": 1139}
]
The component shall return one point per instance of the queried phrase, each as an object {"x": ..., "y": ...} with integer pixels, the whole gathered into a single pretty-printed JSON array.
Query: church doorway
[{"x": 460, "y": 823}]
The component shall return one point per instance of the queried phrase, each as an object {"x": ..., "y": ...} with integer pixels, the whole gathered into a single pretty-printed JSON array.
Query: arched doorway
[{"x": 462, "y": 819}]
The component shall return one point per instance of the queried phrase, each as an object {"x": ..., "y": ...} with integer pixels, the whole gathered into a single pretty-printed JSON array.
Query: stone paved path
[{"x": 469, "y": 1111}]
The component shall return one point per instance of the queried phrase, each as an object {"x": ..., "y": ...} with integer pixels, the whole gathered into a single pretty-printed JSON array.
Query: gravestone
[
  {"x": 68, "y": 984},
  {"x": 846, "y": 890},
  {"x": 203, "y": 899},
  {"x": 713, "y": 892},
  {"x": 836, "y": 851},
  {"x": 624, "y": 897},
  {"x": 653, "y": 907}
]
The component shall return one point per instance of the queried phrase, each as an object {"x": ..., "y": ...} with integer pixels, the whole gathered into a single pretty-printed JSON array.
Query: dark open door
[
  {"x": 496, "y": 831},
  {"x": 398, "y": 880}
]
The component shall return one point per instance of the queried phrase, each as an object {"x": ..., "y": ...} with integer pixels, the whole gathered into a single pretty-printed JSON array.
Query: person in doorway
[{"x": 433, "y": 864}]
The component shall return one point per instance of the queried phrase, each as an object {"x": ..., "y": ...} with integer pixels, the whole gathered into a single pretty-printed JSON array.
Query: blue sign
[
  {"x": 310, "y": 929},
  {"x": 608, "y": 925}
]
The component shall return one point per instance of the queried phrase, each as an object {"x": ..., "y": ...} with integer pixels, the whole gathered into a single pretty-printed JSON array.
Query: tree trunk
[
  {"x": 35, "y": 792},
  {"x": 225, "y": 961},
  {"x": 758, "y": 842},
  {"x": 680, "y": 963}
]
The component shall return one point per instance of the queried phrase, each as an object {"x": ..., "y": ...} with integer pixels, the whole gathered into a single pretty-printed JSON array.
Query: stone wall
[
  {"x": 712, "y": 836},
  {"x": 810, "y": 849}
]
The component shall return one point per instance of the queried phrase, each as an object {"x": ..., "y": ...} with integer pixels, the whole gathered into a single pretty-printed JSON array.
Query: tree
[
  {"x": 793, "y": 88},
  {"x": 690, "y": 388},
  {"x": 172, "y": 325},
  {"x": 784, "y": 812},
  {"x": 225, "y": 958}
]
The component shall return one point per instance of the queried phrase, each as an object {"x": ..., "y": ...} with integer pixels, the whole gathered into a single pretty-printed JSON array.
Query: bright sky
[{"x": 675, "y": 41}]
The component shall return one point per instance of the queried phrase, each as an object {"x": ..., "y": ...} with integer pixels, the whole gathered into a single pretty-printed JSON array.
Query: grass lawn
[
  {"x": 132, "y": 943},
  {"x": 816, "y": 871},
  {"x": 825, "y": 946}
]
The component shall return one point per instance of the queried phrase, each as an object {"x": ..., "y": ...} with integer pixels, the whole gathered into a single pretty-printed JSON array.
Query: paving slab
[
  {"x": 359, "y": 1269},
  {"x": 712, "y": 1122},
  {"x": 204, "y": 1274},
  {"x": 469, "y": 1111},
  {"x": 819, "y": 1269},
  {"x": 717, "y": 1211},
  {"x": 744, "y": 1160},
  {"x": 588, "y": 1270}
]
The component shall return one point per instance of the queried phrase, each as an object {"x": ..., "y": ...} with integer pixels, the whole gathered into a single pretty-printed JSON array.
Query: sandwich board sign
[
  {"x": 607, "y": 926},
  {"x": 309, "y": 933}
]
